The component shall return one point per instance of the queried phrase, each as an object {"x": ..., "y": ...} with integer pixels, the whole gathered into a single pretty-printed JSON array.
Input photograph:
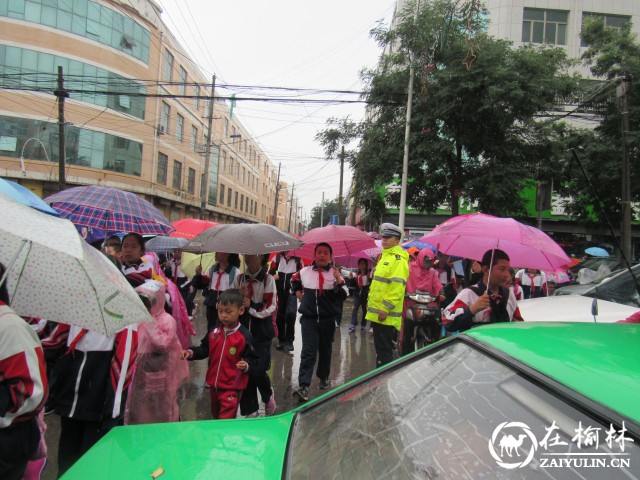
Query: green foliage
[
  {"x": 611, "y": 55},
  {"x": 476, "y": 101}
]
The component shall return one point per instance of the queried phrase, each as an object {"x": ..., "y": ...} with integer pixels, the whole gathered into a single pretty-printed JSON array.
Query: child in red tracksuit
[{"x": 230, "y": 354}]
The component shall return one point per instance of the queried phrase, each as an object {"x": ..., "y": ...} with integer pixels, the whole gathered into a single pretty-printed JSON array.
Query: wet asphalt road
[{"x": 353, "y": 355}]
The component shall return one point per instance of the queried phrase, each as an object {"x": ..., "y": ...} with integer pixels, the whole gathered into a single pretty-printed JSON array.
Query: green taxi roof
[{"x": 599, "y": 361}]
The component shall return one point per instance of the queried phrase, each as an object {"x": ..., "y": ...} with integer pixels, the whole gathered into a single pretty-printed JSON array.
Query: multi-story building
[{"x": 136, "y": 115}]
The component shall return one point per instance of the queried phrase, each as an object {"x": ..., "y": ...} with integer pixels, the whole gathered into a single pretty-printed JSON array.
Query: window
[
  {"x": 233, "y": 135},
  {"x": 235, "y": 204},
  {"x": 165, "y": 114},
  {"x": 614, "y": 21},
  {"x": 221, "y": 193},
  {"x": 163, "y": 165},
  {"x": 194, "y": 138},
  {"x": 243, "y": 175},
  {"x": 224, "y": 161},
  {"x": 230, "y": 166},
  {"x": 180, "y": 128},
  {"x": 545, "y": 26},
  {"x": 182, "y": 87},
  {"x": 21, "y": 64},
  {"x": 167, "y": 67},
  {"x": 196, "y": 100},
  {"x": 241, "y": 202},
  {"x": 417, "y": 399},
  {"x": 84, "y": 18},
  {"x": 191, "y": 182},
  {"x": 229, "y": 194},
  {"x": 226, "y": 127},
  {"x": 177, "y": 175}
]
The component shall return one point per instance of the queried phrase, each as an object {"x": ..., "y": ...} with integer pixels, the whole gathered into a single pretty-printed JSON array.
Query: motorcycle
[{"x": 422, "y": 322}]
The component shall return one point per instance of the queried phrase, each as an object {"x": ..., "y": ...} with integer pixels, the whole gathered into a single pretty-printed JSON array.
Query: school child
[
  {"x": 160, "y": 372},
  {"x": 231, "y": 356},
  {"x": 360, "y": 295}
]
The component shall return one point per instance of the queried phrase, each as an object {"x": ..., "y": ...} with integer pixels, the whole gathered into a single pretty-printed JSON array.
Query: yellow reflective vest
[{"x": 387, "y": 287}]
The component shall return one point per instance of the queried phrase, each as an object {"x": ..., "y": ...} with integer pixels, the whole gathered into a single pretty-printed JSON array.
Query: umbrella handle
[{"x": 11, "y": 262}]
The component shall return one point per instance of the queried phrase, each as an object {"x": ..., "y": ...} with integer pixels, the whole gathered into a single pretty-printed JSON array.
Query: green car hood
[
  {"x": 235, "y": 449},
  {"x": 600, "y": 361}
]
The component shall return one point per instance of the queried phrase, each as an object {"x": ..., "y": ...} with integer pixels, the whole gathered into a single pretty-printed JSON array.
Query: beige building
[
  {"x": 555, "y": 22},
  {"x": 136, "y": 117}
]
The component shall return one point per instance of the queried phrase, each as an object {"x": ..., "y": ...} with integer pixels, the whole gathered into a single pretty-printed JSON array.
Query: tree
[
  {"x": 612, "y": 54},
  {"x": 337, "y": 135},
  {"x": 473, "y": 130},
  {"x": 330, "y": 208}
]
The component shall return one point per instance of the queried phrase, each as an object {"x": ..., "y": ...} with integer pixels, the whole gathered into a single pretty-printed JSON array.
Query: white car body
[{"x": 572, "y": 308}]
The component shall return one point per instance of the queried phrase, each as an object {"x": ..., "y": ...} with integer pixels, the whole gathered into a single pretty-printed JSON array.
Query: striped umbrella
[
  {"x": 109, "y": 209},
  {"x": 165, "y": 244}
]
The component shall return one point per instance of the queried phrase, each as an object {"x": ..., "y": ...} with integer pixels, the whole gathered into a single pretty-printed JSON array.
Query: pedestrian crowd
[{"x": 95, "y": 382}]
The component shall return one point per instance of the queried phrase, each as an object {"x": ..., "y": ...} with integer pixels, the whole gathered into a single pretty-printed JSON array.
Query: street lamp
[{"x": 24, "y": 172}]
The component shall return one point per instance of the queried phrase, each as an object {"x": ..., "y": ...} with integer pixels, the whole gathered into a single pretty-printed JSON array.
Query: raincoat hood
[
  {"x": 153, "y": 291},
  {"x": 421, "y": 279}
]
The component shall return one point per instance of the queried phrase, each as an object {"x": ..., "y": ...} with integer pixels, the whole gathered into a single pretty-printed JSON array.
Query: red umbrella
[
  {"x": 189, "y": 228},
  {"x": 344, "y": 240}
]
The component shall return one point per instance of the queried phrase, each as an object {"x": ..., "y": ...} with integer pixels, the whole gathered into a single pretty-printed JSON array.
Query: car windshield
[
  {"x": 454, "y": 413},
  {"x": 620, "y": 288}
]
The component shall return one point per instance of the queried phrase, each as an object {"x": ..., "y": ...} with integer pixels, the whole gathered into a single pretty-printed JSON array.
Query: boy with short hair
[
  {"x": 489, "y": 301},
  {"x": 230, "y": 354},
  {"x": 321, "y": 290}
]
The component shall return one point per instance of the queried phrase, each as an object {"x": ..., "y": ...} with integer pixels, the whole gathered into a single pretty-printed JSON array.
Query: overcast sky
[{"x": 285, "y": 43}]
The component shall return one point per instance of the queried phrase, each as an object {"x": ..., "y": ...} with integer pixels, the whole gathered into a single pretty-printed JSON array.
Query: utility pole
[
  {"x": 407, "y": 137},
  {"x": 340, "y": 194},
  {"x": 322, "y": 211},
  {"x": 204, "y": 182},
  {"x": 625, "y": 226},
  {"x": 290, "y": 207},
  {"x": 61, "y": 93},
  {"x": 275, "y": 202}
]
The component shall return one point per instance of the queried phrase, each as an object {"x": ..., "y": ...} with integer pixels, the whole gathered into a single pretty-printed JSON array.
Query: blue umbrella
[
  {"x": 596, "y": 252},
  {"x": 419, "y": 245},
  {"x": 20, "y": 194}
]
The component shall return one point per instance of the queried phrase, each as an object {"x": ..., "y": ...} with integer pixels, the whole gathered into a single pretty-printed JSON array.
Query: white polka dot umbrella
[{"x": 53, "y": 273}]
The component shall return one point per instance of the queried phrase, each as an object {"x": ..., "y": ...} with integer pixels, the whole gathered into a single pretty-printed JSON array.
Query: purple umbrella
[{"x": 109, "y": 209}]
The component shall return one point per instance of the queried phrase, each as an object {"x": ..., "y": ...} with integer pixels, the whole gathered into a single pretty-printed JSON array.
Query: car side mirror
[{"x": 594, "y": 308}]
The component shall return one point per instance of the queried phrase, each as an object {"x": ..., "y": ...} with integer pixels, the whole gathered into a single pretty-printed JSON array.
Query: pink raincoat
[
  {"x": 160, "y": 371},
  {"x": 179, "y": 309},
  {"x": 421, "y": 279}
]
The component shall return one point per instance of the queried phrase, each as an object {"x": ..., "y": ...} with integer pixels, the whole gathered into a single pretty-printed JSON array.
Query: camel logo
[{"x": 509, "y": 442}]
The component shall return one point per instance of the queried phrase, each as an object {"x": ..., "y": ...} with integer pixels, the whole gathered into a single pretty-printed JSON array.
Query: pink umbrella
[
  {"x": 371, "y": 254},
  {"x": 471, "y": 235},
  {"x": 344, "y": 240}
]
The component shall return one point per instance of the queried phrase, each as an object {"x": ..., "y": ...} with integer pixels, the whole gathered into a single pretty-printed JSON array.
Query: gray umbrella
[
  {"x": 247, "y": 238},
  {"x": 165, "y": 244}
]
